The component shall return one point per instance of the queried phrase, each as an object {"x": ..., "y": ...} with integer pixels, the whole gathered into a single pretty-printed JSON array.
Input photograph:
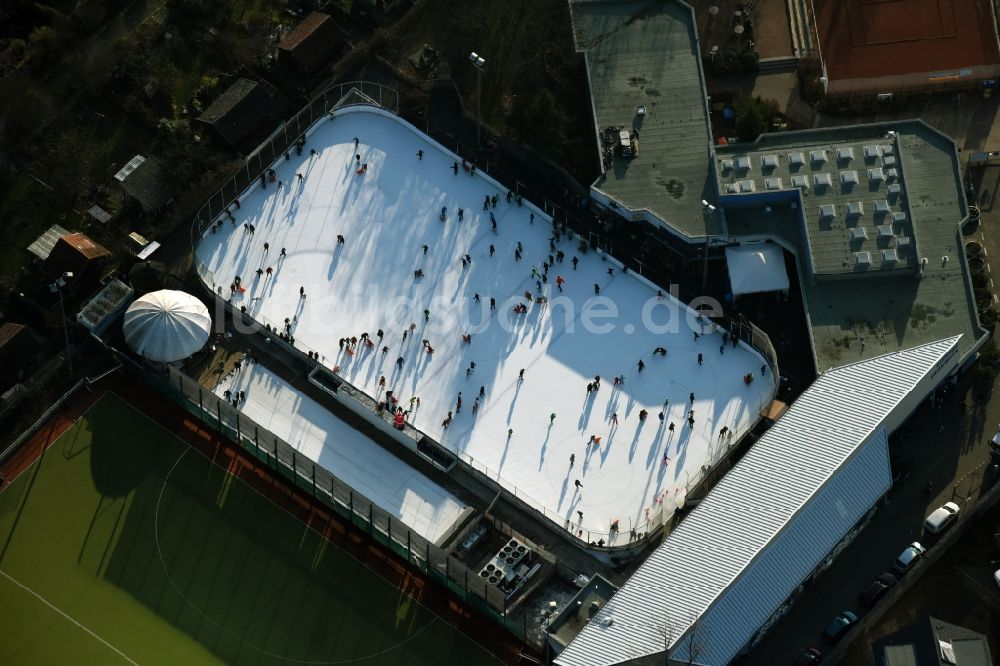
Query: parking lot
[{"x": 959, "y": 588}]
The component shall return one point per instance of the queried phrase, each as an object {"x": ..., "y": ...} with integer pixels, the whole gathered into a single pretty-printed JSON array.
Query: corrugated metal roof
[
  {"x": 42, "y": 247},
  {"x": 109, "y": 300},
  {"x": 784, "y": 505}
]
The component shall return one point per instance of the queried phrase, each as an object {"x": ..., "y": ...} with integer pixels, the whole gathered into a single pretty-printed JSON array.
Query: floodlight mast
[
  {"x": 478, "y": 62},
  {"x": 57, "y": 288}
]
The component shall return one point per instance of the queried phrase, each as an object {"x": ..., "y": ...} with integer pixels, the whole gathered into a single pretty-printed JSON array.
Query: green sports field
[{"x": 124, "y": 545}]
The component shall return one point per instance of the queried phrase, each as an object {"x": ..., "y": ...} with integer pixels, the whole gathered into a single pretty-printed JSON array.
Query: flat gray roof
[
  {"x": 853, "y": 195},
  {"x": 863, "y": 317},
  {"x": 646, "y": 54}
]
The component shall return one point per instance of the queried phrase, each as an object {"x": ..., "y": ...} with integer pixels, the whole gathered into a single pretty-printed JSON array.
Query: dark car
[
  {"x": 877, "y": 588},
  {"x": 809, "y": 657},
  {"x": 839, "y": 625}
]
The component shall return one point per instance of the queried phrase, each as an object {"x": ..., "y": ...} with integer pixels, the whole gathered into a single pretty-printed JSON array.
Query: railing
[
  {"x": 284, "y": 140},
  {"x": 314, "y": 480},
  {"x": 46, "y": 415},
  {"x": 656, "y": 515}
]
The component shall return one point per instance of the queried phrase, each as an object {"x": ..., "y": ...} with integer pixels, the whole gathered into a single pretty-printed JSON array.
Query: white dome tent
[{"x": 167, "y": 325}]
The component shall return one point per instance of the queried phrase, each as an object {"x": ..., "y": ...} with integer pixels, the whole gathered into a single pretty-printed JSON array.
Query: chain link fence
[{"x": 323, "y": 486}]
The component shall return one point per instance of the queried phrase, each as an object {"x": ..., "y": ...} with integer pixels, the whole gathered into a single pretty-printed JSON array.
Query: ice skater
[
  {"x": 572, "y": 460},
  {"x": 575, "y": 261},
  {"x": 267, "y": 246},
  {"x": 427, "y": 315},
  {"x": 578, "y": 486},
  {"x": 700, "y": 359},
  {"x": 461, "y": 214},
  {"x": 300, "y": 177},
  {"x": 552, "y": 417},
  {"x": 597, "y": 288},
  {"x": 560, "y": 282},
  {"x": 341, "y": 240},
  {"x": 420, "y": 154},
  {"x": 282, "y": 253},
  {"x": 458, "y": 403},
  {"x": 454, "y": 168},
  {"x": 425, "y": 248},
  {"x": 302, "y": 292},
  {"x": 614, "y": 418},
  {"x": 641, "y": 365},
  {"x": 492, "y": 249},
  {"x": 520, "y": 375}
]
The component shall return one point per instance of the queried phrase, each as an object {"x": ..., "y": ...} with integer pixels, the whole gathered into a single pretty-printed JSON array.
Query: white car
[
  {"x": 941, "y": 518},
  {"x": 911, "y": 554}
]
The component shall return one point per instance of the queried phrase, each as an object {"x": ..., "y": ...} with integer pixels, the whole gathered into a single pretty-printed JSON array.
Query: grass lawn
[{"x": 124, "y": 545}]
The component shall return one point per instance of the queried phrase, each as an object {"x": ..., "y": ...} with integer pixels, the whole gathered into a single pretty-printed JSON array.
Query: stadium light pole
[
  {"x": 708, "y": 210},
  {"x": 56, "y": 288},
  {"x": 478, "y": 62}
]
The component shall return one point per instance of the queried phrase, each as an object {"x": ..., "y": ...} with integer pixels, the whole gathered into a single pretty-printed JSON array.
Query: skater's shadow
[
  {"x": 562, "y": 491},
  {"x": 654, "y": 446},
  {"x": 588, "y": 405},
  {"x": 633, "y": 445},
  {"x": 503, "y": 458},
  {"x": 334, "y": 260},
  {"x": 513, "y": 401},
  {"x": 545, "y": 444},
  {"x": 682, "y": 449},
  {"x": 612, "y": 405}
]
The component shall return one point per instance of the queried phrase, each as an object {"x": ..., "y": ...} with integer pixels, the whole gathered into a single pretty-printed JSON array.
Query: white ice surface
[
  {"x": 368, "y": 283},
  {"x": 345, "y": 452}
]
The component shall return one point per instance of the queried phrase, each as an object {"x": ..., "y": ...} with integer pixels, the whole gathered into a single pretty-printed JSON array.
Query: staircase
[{"x": 799, "y": 18}]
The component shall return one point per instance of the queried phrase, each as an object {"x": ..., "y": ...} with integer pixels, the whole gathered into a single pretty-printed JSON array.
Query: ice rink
[
  {"x": 348, "y": 454},
  {"x": 387, "y": 216}
]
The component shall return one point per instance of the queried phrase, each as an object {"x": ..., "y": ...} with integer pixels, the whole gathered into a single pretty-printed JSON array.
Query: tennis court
[{"x": 122, "y": 544}]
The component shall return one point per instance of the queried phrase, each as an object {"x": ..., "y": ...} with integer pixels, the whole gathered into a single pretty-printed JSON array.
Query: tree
[
  {"x": 750, "y": 119},
  {"x": 543, "y": 124}
]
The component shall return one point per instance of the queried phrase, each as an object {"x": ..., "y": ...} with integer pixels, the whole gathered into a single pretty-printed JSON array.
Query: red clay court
[{"x": 905, "y": 43}]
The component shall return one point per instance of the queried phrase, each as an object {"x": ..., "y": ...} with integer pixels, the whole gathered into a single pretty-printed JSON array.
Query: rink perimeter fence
[
  {"x": 284, "y": 461},
  {"x": 272, "y": 150}
]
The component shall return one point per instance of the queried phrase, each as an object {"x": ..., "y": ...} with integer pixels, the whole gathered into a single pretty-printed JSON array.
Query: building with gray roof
[
  {"x": 735, "y": 565},
  {"x": 645, "y": 76},
  {"x": 872, "y": 282}
]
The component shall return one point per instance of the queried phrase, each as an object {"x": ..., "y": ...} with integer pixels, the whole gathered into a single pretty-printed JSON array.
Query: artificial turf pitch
[{"x": 122, "y": 544}]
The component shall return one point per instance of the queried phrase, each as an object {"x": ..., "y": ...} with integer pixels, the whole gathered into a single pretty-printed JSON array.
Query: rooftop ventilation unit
[
  {"x": 891, "y": 173},
  {"x": 895, "y": 189},
  {"x": 871, "y": 152},
  {"x": 849, "y": 177},
  {"x": 881, "y": 207},
  {"x": 769, "y": 161},
  {"x": 732, "y": 188},
  {"x": 855, "y": 209},
  {"x": 827, "y": 210},
  {"x": 863, "y": 258},
  {"x": 889, "y": 160},
  {"x": 845, "y": 153},
  {"x": 884, "y": 231},
  {"x": 875, "y": 175},
  {"x": 796, "y": 159},
  {"x": 889, "y": 256},
  {"x": 899, "y": 216},
  {"x": 727, "y": 165},
  {"x": 822, "y": 180},
  {"x": 743, "y": 163},
  {"x": 817, "y": 156},
  {"x": 887, "y": 149},
  {"x": 800, "y": 181},
  {"x": 903, "y": 242},
  {"x": 746, "y": 186},
  {"x": 859, "y": 233},
  {"x": 772, "y": 183}
]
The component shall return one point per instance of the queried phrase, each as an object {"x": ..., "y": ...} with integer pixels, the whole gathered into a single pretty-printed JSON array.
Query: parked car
[
  {"x": 839, "y": 625},
  {"x": 877, "y": 588},
  {"x": 910, "y": 554},
  {"x": 809, "y": 657},
  {"x": 941, "y": 518}
]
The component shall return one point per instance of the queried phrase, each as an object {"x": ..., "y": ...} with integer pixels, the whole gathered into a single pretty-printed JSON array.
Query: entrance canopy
[{"x": 756, "y": 268}]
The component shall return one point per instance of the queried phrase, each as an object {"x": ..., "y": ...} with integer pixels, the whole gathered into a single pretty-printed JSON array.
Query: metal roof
[
  {"x": 109, "y": 301},
  {"x": 42, "y": 246},
  {"x": 643, "y": 54},
  {"x": 822, "y": 465}
]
